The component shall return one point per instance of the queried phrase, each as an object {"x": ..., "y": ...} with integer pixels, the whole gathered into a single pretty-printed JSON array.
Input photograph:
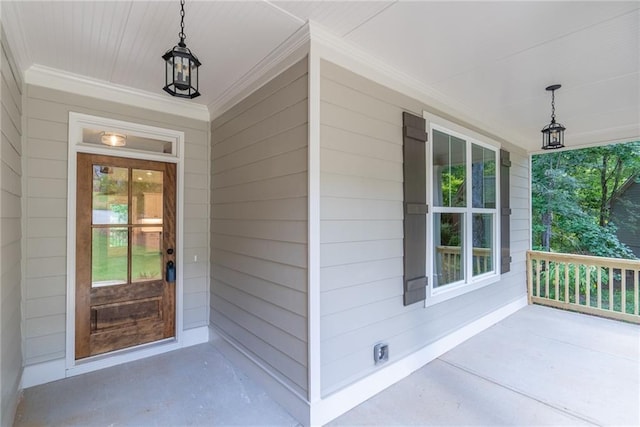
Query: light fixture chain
[
  {"x": 553, "y": 106},
  {"x": 181, "y": 34}
]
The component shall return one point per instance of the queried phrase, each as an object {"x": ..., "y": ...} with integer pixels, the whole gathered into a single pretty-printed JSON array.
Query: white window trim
[
  {"x": 77, "y": 122},
  {"x": 453, "y": 290}
]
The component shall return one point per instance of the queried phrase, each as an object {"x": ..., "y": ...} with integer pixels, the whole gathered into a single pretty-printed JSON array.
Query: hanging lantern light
[
  {"x": 553, "y": 133},
  {"x": 181, "y": 70}
]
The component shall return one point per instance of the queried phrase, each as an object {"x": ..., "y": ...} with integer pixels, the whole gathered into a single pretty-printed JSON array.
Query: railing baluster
[
  {"x": 547, "y": 278},
  {"x": 636, "y": 296},
  {"x": 612, "y": 273},
  {"x": 538, "y": 269},
  {"x": 557, "y": 287},
  {"x": 599, "y": 284},
  {"x": 577, "y": 285},
  {"x": 623, "y": 294},
  {"x": 587, "y": 287},
  {"x": 529, "y": 277},
  {"x": 566, "y": 283}
]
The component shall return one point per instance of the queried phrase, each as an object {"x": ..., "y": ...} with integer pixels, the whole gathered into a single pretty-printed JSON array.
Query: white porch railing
[
  {"x": 451, "y": 262},
  {"x": 605, "y": 287}
]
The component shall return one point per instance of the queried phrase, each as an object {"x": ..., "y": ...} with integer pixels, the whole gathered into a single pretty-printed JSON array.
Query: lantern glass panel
[
  {"x": 169, "y": 70},
  {"x": 181, "y": 75}
]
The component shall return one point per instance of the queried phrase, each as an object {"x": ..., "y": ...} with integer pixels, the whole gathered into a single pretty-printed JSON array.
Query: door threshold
[{"x": 118, "y": 357}]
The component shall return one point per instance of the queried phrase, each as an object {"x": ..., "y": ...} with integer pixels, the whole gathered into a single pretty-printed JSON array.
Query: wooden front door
[{"x": 125, "y": 240}]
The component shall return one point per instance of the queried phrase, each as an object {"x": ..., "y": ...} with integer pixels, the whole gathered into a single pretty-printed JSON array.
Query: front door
[{"x": 125, "y": 253}]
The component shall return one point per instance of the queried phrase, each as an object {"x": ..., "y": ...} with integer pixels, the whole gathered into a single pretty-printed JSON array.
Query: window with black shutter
[
  {"x": 464, "y": 177},
  {"x": 415, "y": 208}
]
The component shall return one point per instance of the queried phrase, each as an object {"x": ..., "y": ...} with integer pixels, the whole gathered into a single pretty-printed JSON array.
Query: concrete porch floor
[{"x": 540, "y": 366}]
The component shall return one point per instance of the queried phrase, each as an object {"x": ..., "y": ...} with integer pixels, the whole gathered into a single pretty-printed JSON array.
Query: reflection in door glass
[
  {"x": 110, "y": 191},
  {"x": 146, "y": 256},
  {"x": 146, "y": 197},
  {"x": 109, "y": 256}
]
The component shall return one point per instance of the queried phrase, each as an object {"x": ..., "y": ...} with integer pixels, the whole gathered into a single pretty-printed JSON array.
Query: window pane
[
  {"x": 132, "y": 142},
  {"x": 110, "y": 195},
  {"x": 146, "y": 197},
  {"x": 449, "y": 255},
  {"x": 146, "y": 255},
  {"x": 483, "y": 169},
  {"x": 449, "y": 170},
  {"x": 482, "y": 230},
  {"x": 109, "y": 256}
]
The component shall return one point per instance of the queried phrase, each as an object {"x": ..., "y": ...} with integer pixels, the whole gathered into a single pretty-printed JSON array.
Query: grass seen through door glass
[{"x": 109, "y": 258}]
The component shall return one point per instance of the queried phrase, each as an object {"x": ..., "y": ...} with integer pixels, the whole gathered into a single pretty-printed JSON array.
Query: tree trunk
[
  {"x": 546, "y": 234},
  {"x": 617, "y": 173},
  {"x": 603, "y": 198}
]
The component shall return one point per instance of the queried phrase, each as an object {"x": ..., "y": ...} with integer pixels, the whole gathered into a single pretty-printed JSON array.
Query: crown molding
[
  {"x": 39, "y": 75},
  {"x": 293, "y": 49}
]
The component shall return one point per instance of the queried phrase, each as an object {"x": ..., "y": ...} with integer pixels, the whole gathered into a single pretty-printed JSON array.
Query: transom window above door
[{"x": 101, "y": 135}]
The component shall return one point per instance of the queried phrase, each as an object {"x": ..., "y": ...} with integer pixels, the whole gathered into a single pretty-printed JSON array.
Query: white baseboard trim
[
  {"x": 195, "y": 336},
  {"x": 292, "y": 402},
  {"x": 13, "y": 398},
  {"x": 54, "y": 370},
  {"x": 351, "y": 396},
  {"x": 44, "y": 372}
]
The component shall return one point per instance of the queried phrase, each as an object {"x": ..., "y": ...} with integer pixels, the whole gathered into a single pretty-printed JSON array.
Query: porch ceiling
[{"x": 488, "y": 60}]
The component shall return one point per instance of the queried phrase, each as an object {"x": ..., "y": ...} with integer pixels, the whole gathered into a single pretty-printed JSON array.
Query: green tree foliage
[{"x": 572, "y": 193}]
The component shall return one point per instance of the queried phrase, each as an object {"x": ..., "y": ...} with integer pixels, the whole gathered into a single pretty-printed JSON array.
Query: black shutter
[
  {"x": 415, "y": 208},
  {"x": 505, "y": 213}
]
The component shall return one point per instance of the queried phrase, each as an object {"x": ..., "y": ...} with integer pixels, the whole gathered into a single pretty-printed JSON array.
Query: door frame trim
[{"x": 77, "y": 122}]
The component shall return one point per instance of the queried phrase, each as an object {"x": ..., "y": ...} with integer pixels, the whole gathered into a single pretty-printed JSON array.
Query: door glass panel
[
  {"x": 146, "y": 198},
  {"x": 109, "y": 256},
  {"x": 146, "y": 248},
  {"x": 110, "y": 191},
  {"x": 146, "y": 254}
]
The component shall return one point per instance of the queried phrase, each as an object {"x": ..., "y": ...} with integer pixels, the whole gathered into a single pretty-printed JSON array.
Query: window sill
[{"x": 447, "y": 292}]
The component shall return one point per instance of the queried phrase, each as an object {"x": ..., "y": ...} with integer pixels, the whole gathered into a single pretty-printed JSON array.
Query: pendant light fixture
[
  {"x": 553, "y": 133},
  {"x": 181, "y": 69}
]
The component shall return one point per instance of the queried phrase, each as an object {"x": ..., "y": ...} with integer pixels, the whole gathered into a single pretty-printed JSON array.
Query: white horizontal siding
[
  {"x": 361, "y": 234},
  {"x": 47, "y": 116},
  {"x": 10, "y": 233},
  {"x": 259, "y": 225},
  {"x": 286, "y": 231}
]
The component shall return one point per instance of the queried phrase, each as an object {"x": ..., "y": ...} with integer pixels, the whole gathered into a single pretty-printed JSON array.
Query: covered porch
[
  {"x": 293, "y": 181},
  {"x": 539, "y": 366}
]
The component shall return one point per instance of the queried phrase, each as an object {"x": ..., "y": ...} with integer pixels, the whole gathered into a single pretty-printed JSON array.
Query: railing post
[{"x": 529, "y": 277}]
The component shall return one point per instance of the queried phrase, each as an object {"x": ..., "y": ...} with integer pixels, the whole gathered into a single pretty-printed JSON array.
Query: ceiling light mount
[
  {"x": 181, "y": 67},
  {"x": 553, "y": 133}
]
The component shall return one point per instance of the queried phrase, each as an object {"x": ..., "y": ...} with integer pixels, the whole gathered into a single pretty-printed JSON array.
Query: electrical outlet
[{"x": 380, "y": 353}]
